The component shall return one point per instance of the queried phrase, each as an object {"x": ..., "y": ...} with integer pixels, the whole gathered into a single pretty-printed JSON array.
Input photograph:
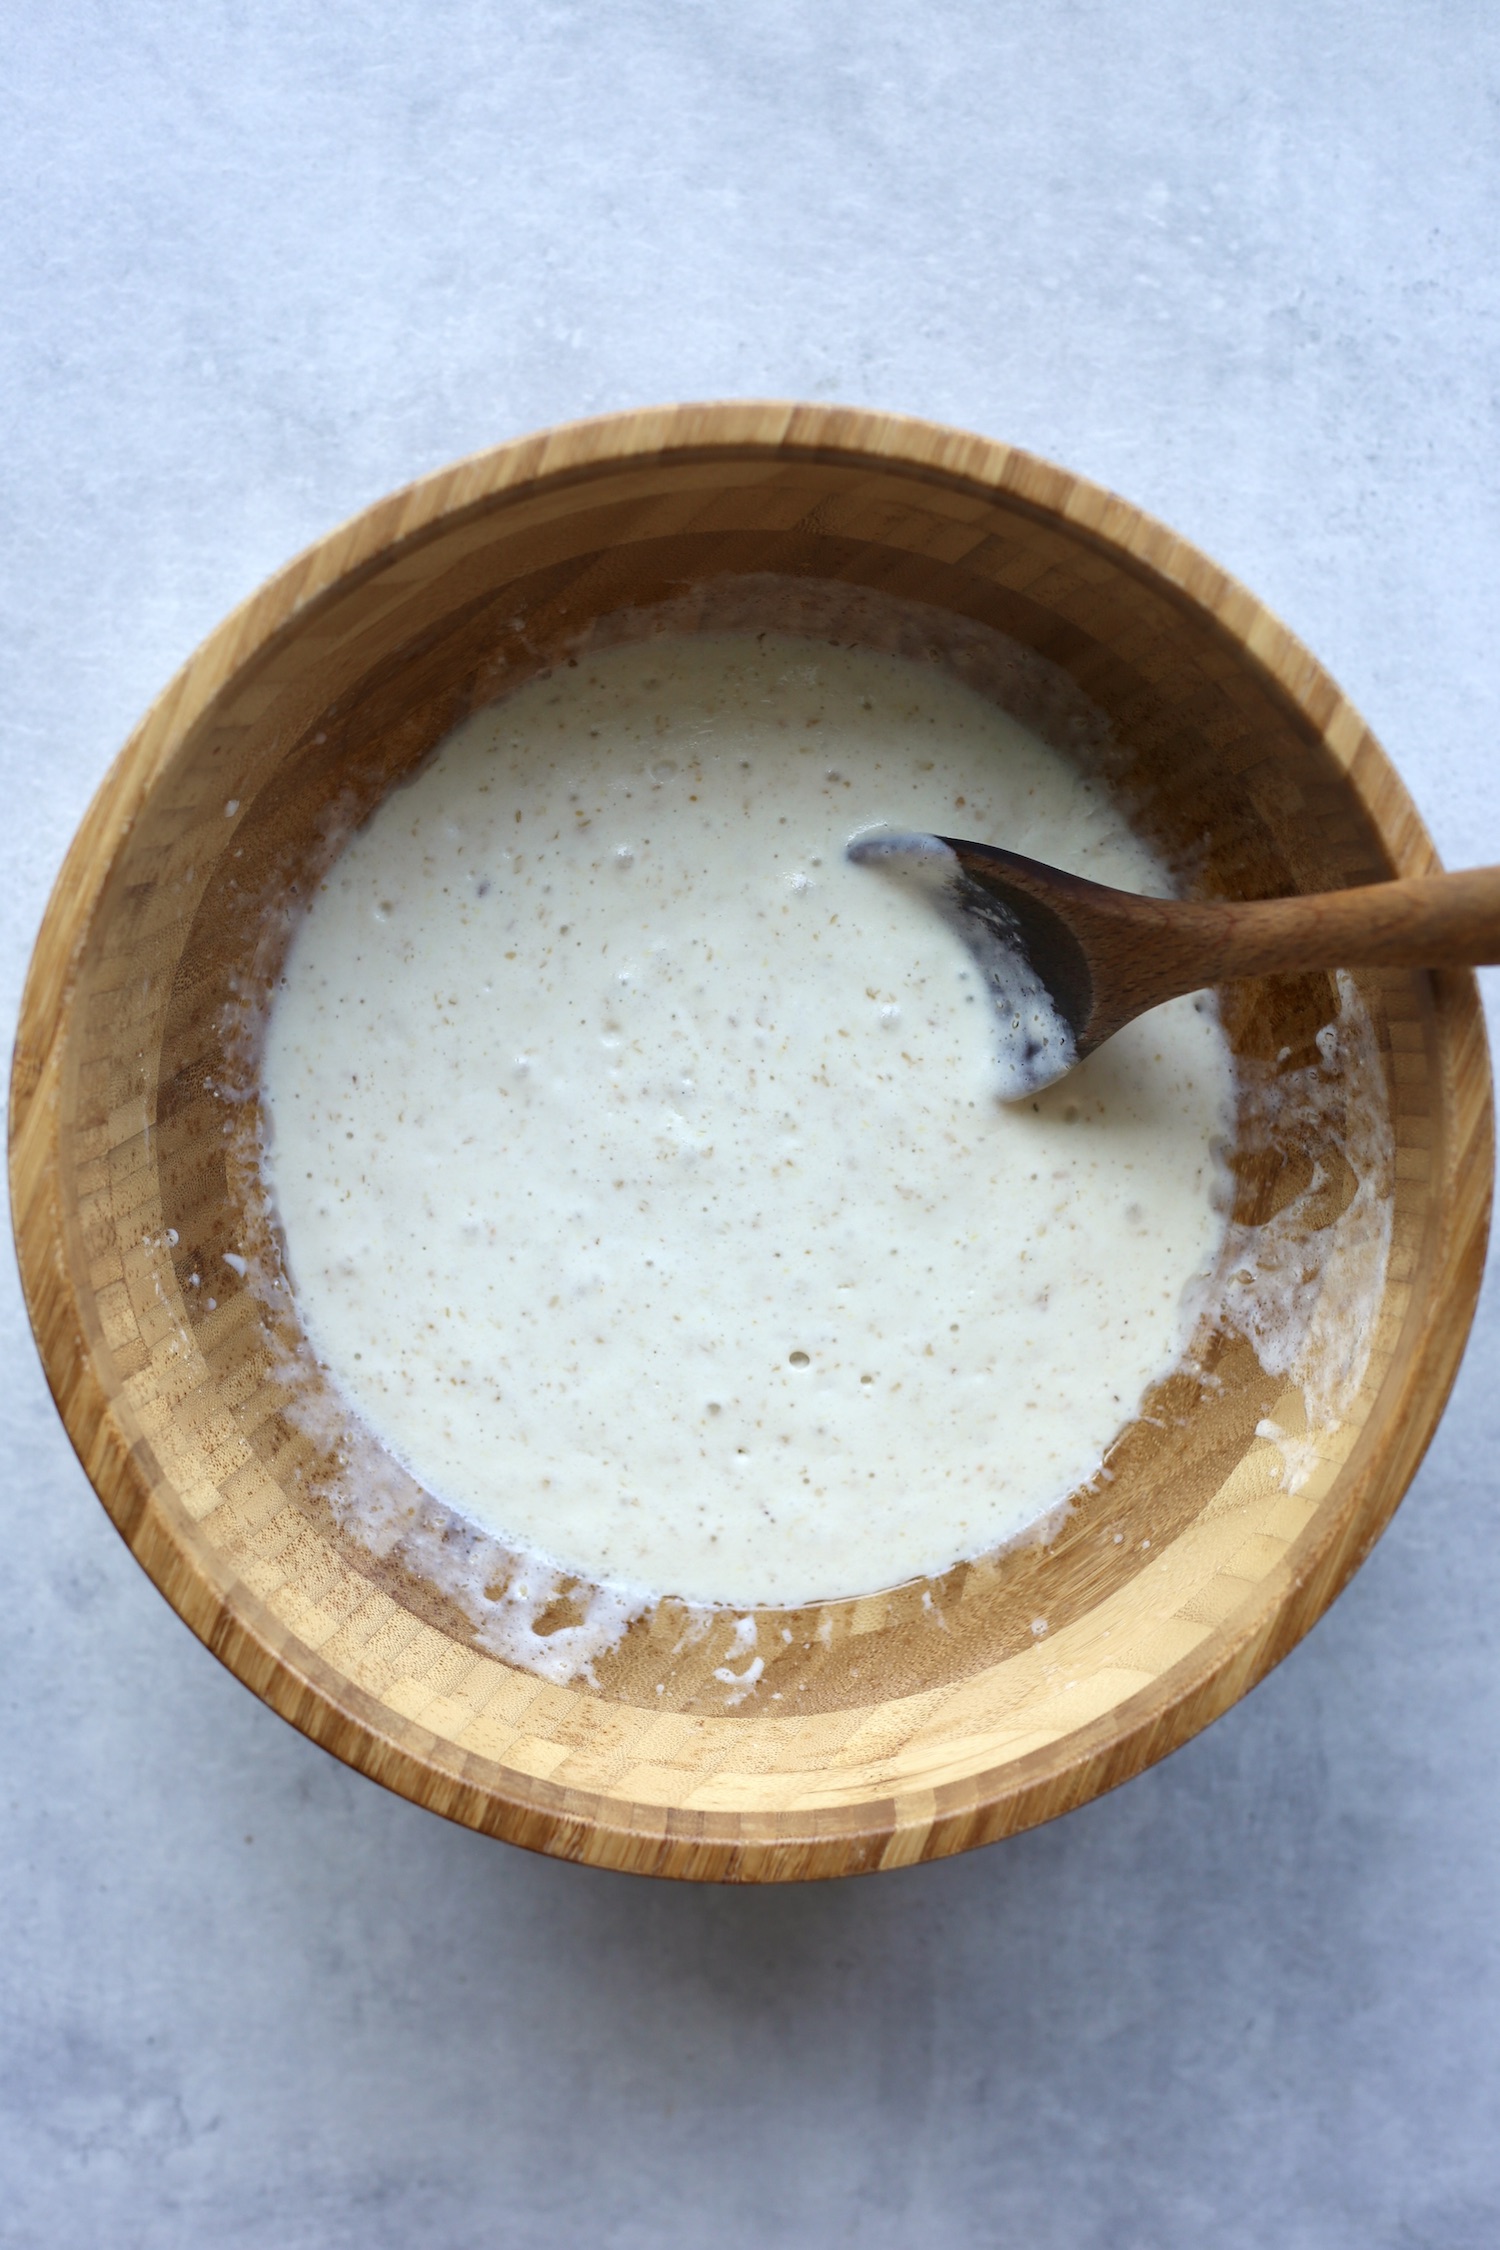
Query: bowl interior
[{"x": 925, "y": 1717}]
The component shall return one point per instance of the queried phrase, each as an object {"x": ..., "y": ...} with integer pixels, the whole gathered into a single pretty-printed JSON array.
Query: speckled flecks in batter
[{"x": 640, "y": 1161}]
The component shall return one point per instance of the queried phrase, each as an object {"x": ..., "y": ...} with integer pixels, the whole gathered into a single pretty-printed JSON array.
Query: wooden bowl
[{"x": 1170, "y": 1590}]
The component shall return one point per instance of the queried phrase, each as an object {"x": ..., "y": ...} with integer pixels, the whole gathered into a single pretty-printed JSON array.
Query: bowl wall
[{"x": 923, "y": 1725}]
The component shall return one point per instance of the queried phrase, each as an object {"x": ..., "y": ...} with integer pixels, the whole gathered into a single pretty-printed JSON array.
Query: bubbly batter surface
[{"x": 640, "y": 1162}]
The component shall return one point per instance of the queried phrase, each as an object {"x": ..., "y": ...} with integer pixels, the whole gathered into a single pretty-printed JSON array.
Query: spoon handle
[{"x": 1422, "y": 921}]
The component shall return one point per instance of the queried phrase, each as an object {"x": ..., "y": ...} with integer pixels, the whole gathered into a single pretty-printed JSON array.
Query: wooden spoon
[{"x": 1070, "y": 962}]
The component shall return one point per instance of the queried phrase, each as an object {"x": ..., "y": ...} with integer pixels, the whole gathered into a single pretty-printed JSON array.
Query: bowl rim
[{"x": 330, "y": 1709}]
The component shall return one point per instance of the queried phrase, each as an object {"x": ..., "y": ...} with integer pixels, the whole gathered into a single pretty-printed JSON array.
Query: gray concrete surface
[{"x": 260, "y": 262}]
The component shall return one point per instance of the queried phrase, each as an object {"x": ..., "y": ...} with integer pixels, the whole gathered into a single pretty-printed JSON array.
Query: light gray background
[{"x": 261, "y": 262}]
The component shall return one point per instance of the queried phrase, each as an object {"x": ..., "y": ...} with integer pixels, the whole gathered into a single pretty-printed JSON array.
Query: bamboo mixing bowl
[{"x": 1167, "y": 1594}]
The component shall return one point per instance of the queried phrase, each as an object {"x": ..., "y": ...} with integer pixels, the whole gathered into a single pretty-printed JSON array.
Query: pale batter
[{"x": 640, "y": 1162}]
